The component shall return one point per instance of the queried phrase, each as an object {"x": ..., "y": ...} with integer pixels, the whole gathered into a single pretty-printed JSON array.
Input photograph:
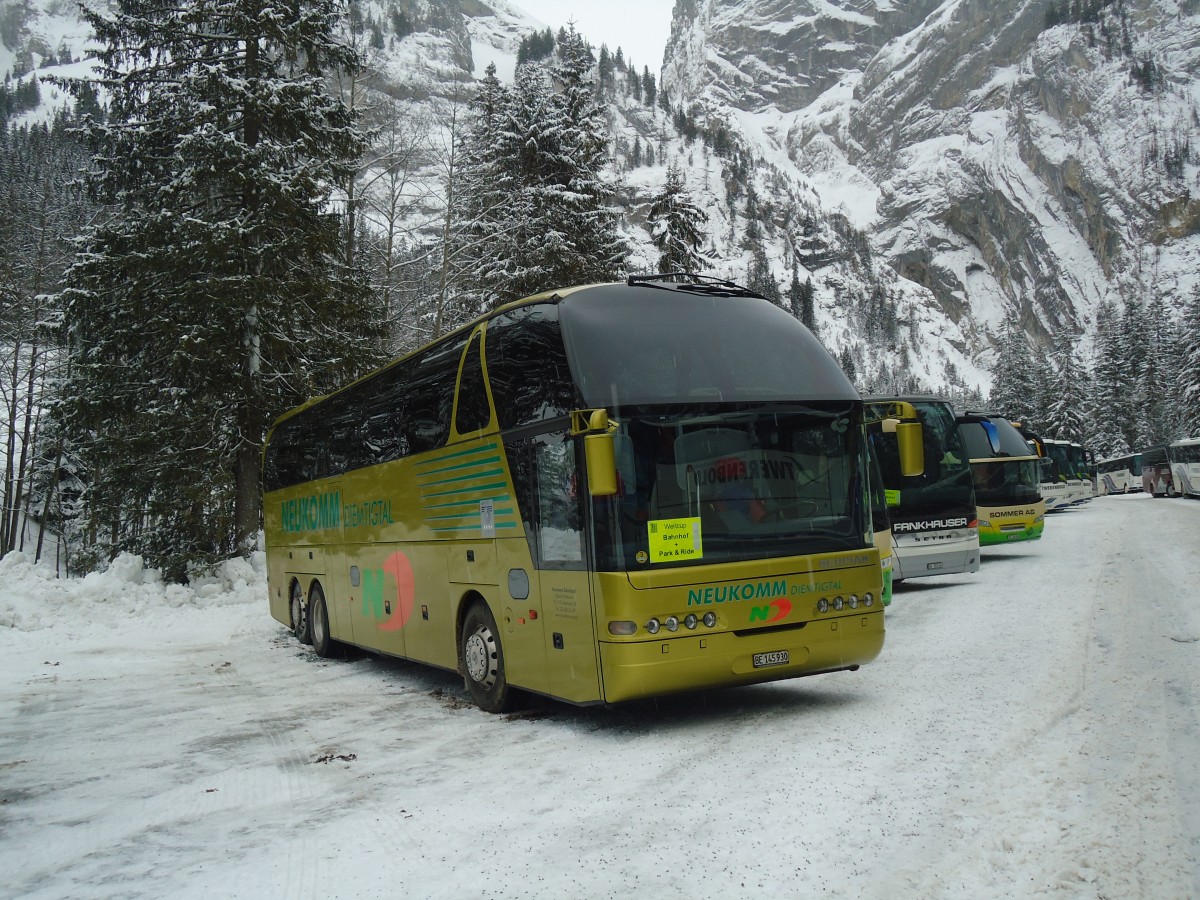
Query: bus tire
[
  {"x": 1171, "y": 492},
  {"x": 299, "y": 610},
  {"x": 318, "y": 624},
  {"x": 482, "y": 659}
]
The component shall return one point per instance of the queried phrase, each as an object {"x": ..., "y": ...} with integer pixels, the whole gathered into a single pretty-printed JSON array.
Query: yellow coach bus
[
  {"x": 595, "y": 494},
  {"x": 1006, "y": 473}
]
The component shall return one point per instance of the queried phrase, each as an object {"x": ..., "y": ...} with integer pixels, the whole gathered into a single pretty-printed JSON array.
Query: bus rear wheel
[
  {"x": 299, "y": 608},
  {"x": 318, "y": 623},
  {"x": 483, "y": 662}
]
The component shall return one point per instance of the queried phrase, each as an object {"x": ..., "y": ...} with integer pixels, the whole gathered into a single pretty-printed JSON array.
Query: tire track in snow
[{"x": 1098, "y": 764}]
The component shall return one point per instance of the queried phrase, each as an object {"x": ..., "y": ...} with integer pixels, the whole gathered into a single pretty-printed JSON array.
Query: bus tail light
[
  {"x": 710, "y": 620},
  {"x": 622, "y": 628},
  {"x": 652, "y": 626}
]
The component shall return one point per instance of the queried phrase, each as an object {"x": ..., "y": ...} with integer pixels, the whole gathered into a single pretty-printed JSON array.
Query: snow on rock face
[{"x": 1019, "y": 165}]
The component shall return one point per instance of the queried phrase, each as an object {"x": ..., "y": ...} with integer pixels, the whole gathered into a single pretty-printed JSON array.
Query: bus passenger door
[{"x": 556, "y": 494}]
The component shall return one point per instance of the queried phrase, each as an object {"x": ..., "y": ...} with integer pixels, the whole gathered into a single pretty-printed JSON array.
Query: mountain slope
[{"x": 1010, "y": 162}]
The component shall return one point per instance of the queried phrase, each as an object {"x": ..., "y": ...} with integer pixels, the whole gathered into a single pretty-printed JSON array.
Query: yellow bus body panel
[
  {"x": 762, "y": 606},
  {"x": 724, "y": 659}
]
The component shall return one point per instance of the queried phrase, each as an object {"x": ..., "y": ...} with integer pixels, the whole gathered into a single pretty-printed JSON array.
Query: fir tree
[
  {"x": 1014, "y": 390},
  {"x": 802, "y": 297},
  {"x": 1188, "y": 379},
  {"x": 677, "y": 226},
  {"x": 1153, "y": 399},
  {"x": 1110, "y": 386},
  {"x": 538, "y": 207},
  {"x": 1066, "y": 409},
  {"x": 649, "y": 91},
  {"x": 212, "y": 299},
  {"x": 846, "y": 361}
]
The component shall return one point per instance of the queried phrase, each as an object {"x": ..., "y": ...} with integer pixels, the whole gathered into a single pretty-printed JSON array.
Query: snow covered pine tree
[{"x": 213, "y": 297}]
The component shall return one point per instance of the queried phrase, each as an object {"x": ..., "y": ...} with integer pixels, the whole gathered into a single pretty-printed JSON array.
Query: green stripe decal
[
  {"x": 474, "y": 527},
  {"x": 465, "y": 465},
  {"x": 469, "y": 515},
  {"x": 490, "y": 473},
  {"x": 498, "y": 498},
  {"x": 468, "y": 490},
  {"x": 488, "y": 448}
]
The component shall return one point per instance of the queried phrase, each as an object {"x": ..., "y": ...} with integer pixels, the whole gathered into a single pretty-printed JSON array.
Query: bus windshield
[
  {"x": 945, "y": 485},
  {"x": 691, "y": 349},
  {"x": 757, "y": 482},
  {"x": 1004, "y": 470},
  {"x": 1062, "y": 464}
]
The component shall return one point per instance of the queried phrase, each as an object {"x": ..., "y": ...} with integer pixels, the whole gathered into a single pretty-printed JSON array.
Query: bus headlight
[{"x": 652, "y": 626}]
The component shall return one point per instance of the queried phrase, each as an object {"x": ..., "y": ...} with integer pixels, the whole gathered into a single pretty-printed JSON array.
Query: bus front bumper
[
  {"x": 948, "y": 558},
  {"x": 635, "y": 669}
]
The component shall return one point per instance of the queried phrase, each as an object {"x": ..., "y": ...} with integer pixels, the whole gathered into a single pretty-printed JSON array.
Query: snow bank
[{"x": 35, "y": 598}]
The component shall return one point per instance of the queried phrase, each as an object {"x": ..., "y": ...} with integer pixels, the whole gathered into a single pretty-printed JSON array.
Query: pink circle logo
[{"x": 398, "y": 566}]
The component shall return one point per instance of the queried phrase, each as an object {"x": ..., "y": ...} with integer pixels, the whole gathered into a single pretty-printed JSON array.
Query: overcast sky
[{"x": 640, "y": 27}]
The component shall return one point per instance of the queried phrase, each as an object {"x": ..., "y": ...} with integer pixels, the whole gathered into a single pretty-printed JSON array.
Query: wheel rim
[
  {"x": 480, "y": 658},
  {"x": 318, "y": 624},
  {"x": 298, "y": 613}
]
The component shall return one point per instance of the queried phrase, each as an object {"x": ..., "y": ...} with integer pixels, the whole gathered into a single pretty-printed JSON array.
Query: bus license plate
[{"x": 774, "y": 658}]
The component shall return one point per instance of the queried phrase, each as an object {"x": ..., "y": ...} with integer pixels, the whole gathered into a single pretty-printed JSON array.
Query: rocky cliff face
[
  {"x": 1017, "y": 156},
  {"x": 970, "y": 159}
]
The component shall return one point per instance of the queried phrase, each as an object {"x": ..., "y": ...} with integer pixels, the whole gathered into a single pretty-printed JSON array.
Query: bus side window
[
  {"x": 473, "y": 413},
  {"x": 527, "y": 366},
  {"x": 431, "y": 396},
  {"x": 559, "y": 519}
]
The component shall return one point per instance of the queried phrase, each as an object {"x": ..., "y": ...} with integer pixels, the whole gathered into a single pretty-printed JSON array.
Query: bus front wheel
[
  {"x": 299, "y": 610},
  {"x": 483, "y": 662}
]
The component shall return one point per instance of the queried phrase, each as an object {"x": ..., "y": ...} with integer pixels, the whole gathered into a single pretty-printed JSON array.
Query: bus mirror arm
[
  {"x": 599, "y": 449},
  {"x": 910, "y": 440}
]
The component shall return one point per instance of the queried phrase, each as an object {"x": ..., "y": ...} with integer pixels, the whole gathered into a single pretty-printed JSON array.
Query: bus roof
[{"x": 699, "y": 313}]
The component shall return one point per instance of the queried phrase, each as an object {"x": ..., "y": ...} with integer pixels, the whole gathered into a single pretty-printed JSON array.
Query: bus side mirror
[
  {"x": 911, "y": 444},
  {"x": 599, "y": 450}
]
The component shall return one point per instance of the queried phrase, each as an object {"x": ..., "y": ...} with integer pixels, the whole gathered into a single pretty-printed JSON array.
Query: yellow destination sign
[{"x": 675, "y": 539}]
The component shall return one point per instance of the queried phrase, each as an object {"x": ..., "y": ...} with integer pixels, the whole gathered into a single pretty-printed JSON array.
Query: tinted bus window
[
  {"x": 693, "y": 349},
  {"x": 527, "y": 367},
  {"x": 473, "y": 413},
  {"x": 431, "y": 395}
]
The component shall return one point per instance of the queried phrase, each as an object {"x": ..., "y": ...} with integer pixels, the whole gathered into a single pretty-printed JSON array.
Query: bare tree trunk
[
  {"x": 6, "y": 499},
  {"x": 22, "y": 472}
]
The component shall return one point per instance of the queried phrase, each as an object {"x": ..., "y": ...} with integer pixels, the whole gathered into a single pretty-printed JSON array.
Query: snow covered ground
[{"x": 1030, "y": 730}]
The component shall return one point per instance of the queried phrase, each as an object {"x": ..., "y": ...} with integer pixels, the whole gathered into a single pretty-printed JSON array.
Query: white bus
[
  {"x": 1185, "y": 466},
  {"x": 1119, "y": 475}
]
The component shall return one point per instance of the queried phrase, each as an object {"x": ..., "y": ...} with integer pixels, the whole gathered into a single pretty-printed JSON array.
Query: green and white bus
[
  {"x": 595, "y": 494},
  {"x": 1006, "y": 475}
]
